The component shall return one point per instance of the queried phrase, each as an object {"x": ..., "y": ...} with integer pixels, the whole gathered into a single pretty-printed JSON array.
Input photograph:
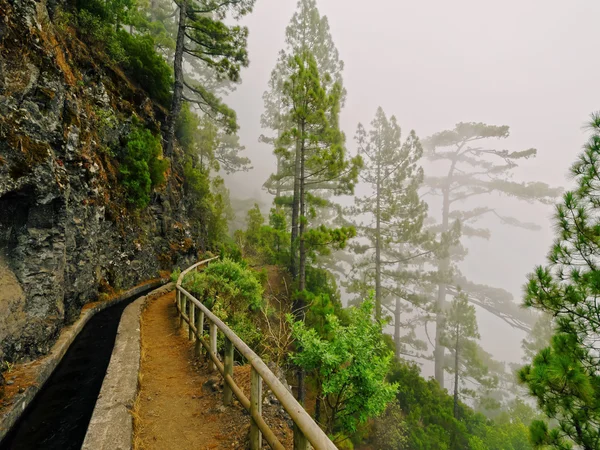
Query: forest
[{"x": 366, "y": 235}]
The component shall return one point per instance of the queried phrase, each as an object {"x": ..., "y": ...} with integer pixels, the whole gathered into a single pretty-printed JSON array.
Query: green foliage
[
  {"x": 428, "y": 422},
  {"x": 145, "y": 66},
  {"x": 209, "y": 198},
  {"x": 390, "y": 431},
  {"x": 175, "y": 274},
  {"x": 233, "y": 292},
  {"x": 268, "y": 244},
  {"x": 99, "y": 24},
  {"x": 323, "y": 299},
  {"x": 141, "y": 167},
  {"x": 350, "y": 368},
  {"x": 459, "y": 335},
  {"x": 565, "y": 377},
  {"x": 226, "y": 282}
]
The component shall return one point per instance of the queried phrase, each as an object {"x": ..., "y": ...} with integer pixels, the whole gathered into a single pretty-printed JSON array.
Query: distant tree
[
  {"x": 565, "y": 377},
  {"x": 390, "y": 218},
  {"x": 539, "y": 337},
  {"x": 202, "y": 34},
  {"x": 307, "y": 31},
  {"x": 459, "y": 335},
  {"x": 474, "y": 170},
  {"x": 394, "y": 212},
  {"x": 350, "y": 369}
]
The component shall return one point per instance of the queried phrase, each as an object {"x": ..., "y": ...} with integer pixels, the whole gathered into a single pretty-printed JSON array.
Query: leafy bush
[
  {"x": 142, "y": 167},
  {"x": 228, "y": 283},
  {"x": 99, "y": 24},
  {"x": 350, "y": 369},
  {"x": 232, "y": 292},
  {"x": 390, "y": 430},
  {"x": 428, "y": 422},
  {"x": 146, "y": 67},
  {"x": 175, "y": 274}
]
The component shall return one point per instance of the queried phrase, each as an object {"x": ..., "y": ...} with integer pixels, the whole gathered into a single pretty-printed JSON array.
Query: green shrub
[
  {"x": 146, "y": 67},
  {"x": 141, "y": 166},
  {"x": 233, "y": 293},
  {"x": 175, "y": 274},
  {"x": 99, "y": 25},
  {"x": 226, "y": 282}
]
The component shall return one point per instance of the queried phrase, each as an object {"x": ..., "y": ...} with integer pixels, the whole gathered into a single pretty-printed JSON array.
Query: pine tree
[
  {"x": 459, "y": 335},
  {"x": 319, "y": 158},
  {"x": 307, "y": 31},
  {"x": 391, "y": 217},
  {"x": 203, "y": 35},
  {"x": 565, "y": 377},
  {"x": 474, "y": 171}
]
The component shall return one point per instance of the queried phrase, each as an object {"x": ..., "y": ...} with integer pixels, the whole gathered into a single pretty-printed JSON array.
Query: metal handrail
[{"x": 305, "y": 428}]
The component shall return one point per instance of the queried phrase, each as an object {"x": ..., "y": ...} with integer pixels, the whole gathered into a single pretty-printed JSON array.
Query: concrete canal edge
[
  {"x": 111, "y": 426},
  {"x": 47, "y": 364}
]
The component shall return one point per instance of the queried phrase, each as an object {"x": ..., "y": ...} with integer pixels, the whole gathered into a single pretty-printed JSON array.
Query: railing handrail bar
[{"x": 315, "y": 435}]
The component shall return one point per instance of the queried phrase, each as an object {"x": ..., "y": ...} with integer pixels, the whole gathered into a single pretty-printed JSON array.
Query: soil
[{"x": 179, "y": 404}]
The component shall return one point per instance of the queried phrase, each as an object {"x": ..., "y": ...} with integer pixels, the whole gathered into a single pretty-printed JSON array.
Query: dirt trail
[{"x": 179, "y": 402}]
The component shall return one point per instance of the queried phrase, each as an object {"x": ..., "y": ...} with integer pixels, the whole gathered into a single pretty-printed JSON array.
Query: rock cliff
[{"x": 67, "y": 234}]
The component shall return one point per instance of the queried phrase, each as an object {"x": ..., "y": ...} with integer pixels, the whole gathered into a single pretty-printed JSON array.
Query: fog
[{"x": 529, "y": 65}]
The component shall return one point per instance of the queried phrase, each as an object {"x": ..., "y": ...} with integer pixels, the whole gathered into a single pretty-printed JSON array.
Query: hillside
[{"x": 67, "y": 231}]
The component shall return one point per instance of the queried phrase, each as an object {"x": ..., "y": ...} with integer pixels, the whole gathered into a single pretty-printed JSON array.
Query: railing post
[
  {"x": 192, "y": 318},
  {"x": 228, "y": 366},
  {"x": 300, "y": 441},
  {"x": 199, "y": 332},
  {"x": 255, "y": 408},
  {"x": 183, "y": 308},
  {"x": 178, "y": 299},
  {"x": 213, "y": 344}
]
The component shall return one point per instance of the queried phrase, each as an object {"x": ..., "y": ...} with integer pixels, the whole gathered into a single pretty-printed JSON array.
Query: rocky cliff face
[{"x": 66, "y": 233}]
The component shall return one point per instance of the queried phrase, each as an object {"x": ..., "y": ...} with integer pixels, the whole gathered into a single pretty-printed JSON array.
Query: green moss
[{"x": 142, "y": 167}]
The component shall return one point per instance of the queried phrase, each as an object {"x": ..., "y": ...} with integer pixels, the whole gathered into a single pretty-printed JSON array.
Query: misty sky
[{"x": 529, "y": 64}]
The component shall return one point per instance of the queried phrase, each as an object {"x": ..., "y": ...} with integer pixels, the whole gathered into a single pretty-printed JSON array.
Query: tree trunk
[
  {"x": 443, "y": 267},
  {"x": 153, "y": 6},
  {"x": 302, "y": 268},
  {"x": 456, "y": 361},
  {"x": 378, "y": 243},
  {"x": 295, "y": 212},
  {"x": 319, "y": 400},
  {"x": 397, "y": 327},
  {"x": 300, "y": 305},
  {"x": 178, "y": 85}
]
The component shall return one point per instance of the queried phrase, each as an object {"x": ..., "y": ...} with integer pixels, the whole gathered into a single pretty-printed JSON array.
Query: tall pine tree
[
  {"x": 390, "y": 220},
  {"x": 565, "y": 376},
  {"x": 475, "y": 170}
]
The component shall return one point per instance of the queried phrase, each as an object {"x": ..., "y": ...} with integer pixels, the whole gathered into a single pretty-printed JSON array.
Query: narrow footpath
[{"x": 179, "y": 404}]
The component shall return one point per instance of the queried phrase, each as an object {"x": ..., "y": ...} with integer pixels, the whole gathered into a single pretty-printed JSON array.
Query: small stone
[
  {"x": 149, "y": 398},
  {"x": 21, "y": 390},
  {"x": 10, "y": 382}
]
